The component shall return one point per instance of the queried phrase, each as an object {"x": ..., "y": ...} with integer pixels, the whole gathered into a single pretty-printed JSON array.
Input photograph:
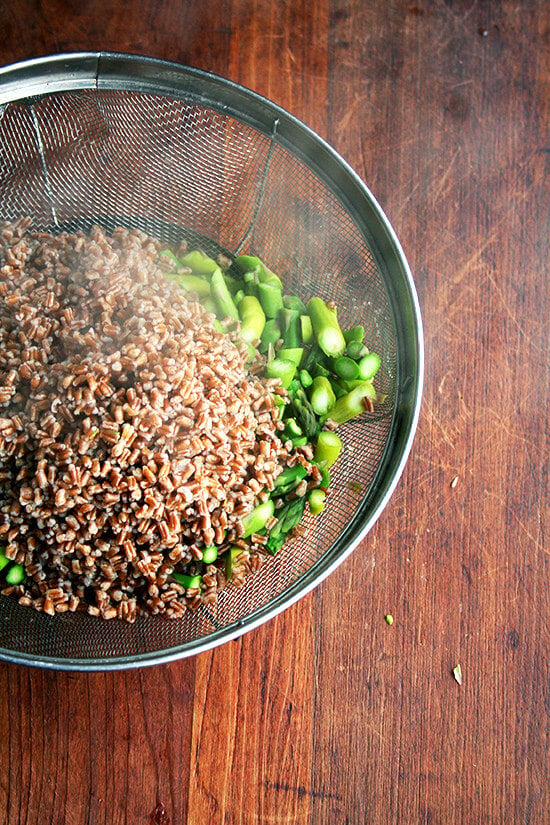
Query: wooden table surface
[{"x": 326, "y": 714}]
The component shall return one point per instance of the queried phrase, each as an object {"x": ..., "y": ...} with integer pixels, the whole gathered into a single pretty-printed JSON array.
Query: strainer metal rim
[{"x": 110, "y": 70}]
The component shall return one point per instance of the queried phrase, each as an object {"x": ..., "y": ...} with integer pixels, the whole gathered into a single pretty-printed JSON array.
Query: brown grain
[{"x": 129, "y": 427}]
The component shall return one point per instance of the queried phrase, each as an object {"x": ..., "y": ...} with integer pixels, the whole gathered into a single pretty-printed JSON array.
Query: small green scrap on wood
[
  {"x": 389, "y": 618},
  {"x": 457, "y": 673}
]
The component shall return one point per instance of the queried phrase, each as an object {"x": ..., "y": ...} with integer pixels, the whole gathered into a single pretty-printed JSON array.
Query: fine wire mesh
[{"x": 178, "y": 170}]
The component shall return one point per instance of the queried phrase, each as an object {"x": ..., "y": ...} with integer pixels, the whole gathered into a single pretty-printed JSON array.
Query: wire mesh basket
[{"x": 116, "y": 139}]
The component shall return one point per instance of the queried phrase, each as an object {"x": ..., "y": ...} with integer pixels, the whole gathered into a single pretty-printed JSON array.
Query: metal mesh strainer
[{"x": 116, "y": 139}]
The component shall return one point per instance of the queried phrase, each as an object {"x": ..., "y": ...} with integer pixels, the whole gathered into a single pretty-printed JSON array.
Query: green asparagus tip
[
  {"x": 317, "y": 501},
  {"x": 282, "y": 369},
  {"x": 222, "y": 296},
  {"x": 252, "y": 318},
  {"x": 327, "y": 449},
  {"x": 321, "y": 395},
  {"x": 255, "y": 521},
  {"x": 326, "y": 328},
  {"x": 199, "y": 262},
  {"x": 187, "y": 581},
  {"x": 210, "y": 554},
  {"x": 230, "y": 557}
]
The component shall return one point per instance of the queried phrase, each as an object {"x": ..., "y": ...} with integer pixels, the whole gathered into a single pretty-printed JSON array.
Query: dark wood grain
[{"x": 327, "y": 714}]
